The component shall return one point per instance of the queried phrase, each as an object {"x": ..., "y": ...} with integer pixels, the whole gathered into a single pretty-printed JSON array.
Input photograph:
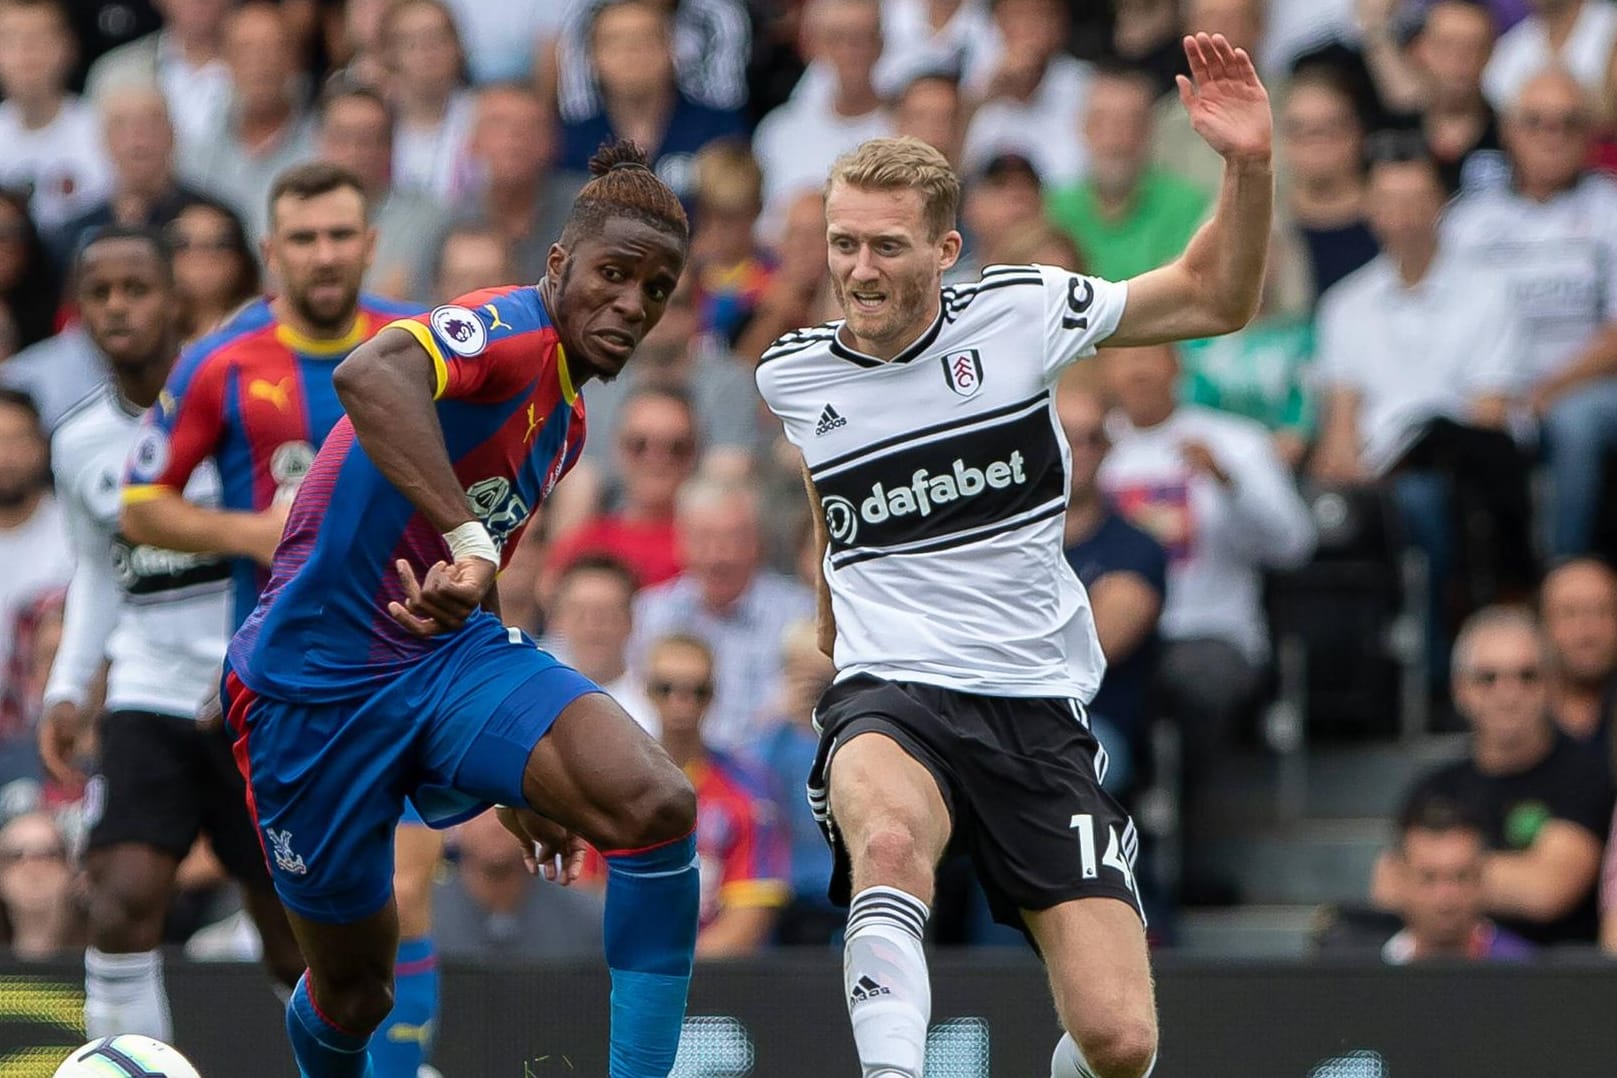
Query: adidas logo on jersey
[
  {"x": 924, "y": 493},
  {"x": 867, "y": 989},
  {"x": 829, "y": 421}
]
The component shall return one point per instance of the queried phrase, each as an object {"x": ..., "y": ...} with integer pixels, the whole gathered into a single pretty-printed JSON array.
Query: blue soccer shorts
[{"x": 326, "y": 782}]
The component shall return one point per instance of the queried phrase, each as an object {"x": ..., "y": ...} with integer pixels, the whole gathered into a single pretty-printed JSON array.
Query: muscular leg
[
  {"x": 597, "y": 773},
  {"x": 894, "y": 823},
  {"x": 130, "y": 885},
  {"x": 1100, "y": 974},
  {"x": 346, "y": 993},
  {"x": 402, "y": 1043},
  {"x": 282, "y": 956}
]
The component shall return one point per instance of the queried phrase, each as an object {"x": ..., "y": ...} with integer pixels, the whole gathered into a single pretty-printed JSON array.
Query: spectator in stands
[
  {"x": 433, "y": 108},
  {"x": 1578, "y": 605},
  {"x": 1032, "y": 101},
  {"x": 1210, "y": 489},
  {"x": 796, "y": 143},
  {"x": 52, "y": 139},
  {"x": 1043, "y": 243},
  {"x": 930, "y": 108},
  {"x": 791, "y": 298},
  {"x": 717, "y": 387},
  {"x": 588, "y": 621},
  {"x": 491, "y": 908},
  {"x": 33, "y": 544},
  {"x": 512, "y": 144},
  {"x": 1004, "y": 196},
  {"x": 1545, "y": 801},
  {"x": 145, "y": 191},
  {"x": 726, "y": 597},
  {"x": 1449, "y": 54},
  {"x": 30, "y": 286},
  {"x": 786, "y": 750},
  {"x": 936, "y": 35},
  {"x": 184, "y": 59},
  {"x": 1125, "y": 572},
  {"x": 265, "y": 129},
  {"x": 356, "y": 132},
  {"x": 1418, "y": 394},
  {"x": 632, "y": 55},
  {"x": 1577, "y": 36},
  {"x": 471, "y": 257},
  {"x": 214, "y": 268},
  {"x": 508, "y": 41},
  {"x": 1440, "y": 862},
  {"x": 740, "y": 842},
  {"x": 730, "y": 272},
  {"x": 1263, "y": 372},
  {"x": 654, "y": 440},
  {"x": 1125, "y": 215},
  {"x": 1551, "y": 234},
  {"x": 712, "y": 43},
  {"x": 42, "y": 921},
  {"x": 1322, "y": 144}
]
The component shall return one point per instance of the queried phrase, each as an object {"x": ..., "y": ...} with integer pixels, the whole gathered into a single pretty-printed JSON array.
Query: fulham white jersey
[
  {"x": 943, "y": 476},
  {"x": 162, "y": 618}
]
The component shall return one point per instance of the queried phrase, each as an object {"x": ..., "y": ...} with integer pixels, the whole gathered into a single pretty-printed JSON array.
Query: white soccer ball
[{"x": 128, "y": 1055}]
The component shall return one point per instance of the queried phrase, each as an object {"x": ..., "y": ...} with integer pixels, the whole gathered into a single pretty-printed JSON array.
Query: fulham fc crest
[{"x": 964, "y": 372}]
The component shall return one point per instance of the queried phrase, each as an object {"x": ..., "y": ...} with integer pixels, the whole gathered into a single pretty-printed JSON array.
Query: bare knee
[
  {"x": 1122, "y": 1049},
  {"x": 357, "y": 1003},
  {"x": 662, "y": 809},
  {"x": 126, "y": 915},
  {"x": 886, "y": 852}
]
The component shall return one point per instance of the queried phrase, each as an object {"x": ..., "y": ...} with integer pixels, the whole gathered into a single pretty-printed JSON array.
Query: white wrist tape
[{"x": 472, "y": 540}]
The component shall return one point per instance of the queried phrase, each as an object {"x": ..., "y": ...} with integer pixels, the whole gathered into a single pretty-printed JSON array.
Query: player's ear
[
  {"x": 370, "y": 245},
  {"x": 949, "y": 249},
  {"x": 555, "y": 261}
]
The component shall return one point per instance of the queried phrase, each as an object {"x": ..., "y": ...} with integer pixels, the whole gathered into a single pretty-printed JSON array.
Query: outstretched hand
[
  {"x": 547, "y": 846},
  {"x": 445, "y": 599},
  {"x": 1228, "y": 105}
]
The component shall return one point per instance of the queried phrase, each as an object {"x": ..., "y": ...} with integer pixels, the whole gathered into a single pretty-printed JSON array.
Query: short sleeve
[
  {"x": 1080, "y": 312},
  {"x": 180, "y": 431},
  {"x": 485, "y": 346}
]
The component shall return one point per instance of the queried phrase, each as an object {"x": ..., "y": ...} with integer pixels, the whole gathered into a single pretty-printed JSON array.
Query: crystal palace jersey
[
  {"x": 256, "y": 397},
  {"x": 943, "y": 478},
  {"x": 513, "y": 424}
]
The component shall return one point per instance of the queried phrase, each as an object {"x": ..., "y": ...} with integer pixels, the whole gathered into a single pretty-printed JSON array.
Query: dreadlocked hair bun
[
  {"x": 616, "y": 154},
  {"x": 624, "y": 185}
]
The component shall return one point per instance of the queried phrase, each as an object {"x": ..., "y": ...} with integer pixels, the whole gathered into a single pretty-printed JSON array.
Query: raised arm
[
  {"x": 1214, "y": 287},
  {"x": 387, "y": 386}
]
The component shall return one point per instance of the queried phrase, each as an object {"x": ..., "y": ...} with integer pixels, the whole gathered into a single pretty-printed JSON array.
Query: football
[{"x": 126, "y": 1056}]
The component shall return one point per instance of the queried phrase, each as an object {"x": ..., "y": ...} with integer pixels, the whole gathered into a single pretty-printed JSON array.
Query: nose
[
  {"x": 864, "y": 265},
  {"x": 630, "y": 305}
]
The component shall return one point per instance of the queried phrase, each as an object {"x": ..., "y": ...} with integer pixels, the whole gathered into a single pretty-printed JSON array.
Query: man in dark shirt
[
  {"x": 1125, "y": 572},
  {"x": 1544, "y": 801}
]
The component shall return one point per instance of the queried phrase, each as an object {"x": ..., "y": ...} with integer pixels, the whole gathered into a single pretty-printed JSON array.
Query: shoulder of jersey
[
  {"x": 801, "y": 340},
  {"x": 83, "y": 419},
  {"x": 958, "y": 297},
  {"x": 253, "y": 318}
]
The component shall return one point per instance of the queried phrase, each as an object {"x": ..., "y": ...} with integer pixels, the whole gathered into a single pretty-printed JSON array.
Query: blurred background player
[
  {"x": 373, "y": 669},
  {"x": 162, "y": 619},
  {"x": 256, "y": 396}
]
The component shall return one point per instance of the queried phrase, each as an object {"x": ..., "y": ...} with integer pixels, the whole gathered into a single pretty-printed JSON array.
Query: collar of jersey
[
  {"x": 564, "y": 376},
  {"x": 316, "y": 346},
  {"x": 922, "y": 343}
]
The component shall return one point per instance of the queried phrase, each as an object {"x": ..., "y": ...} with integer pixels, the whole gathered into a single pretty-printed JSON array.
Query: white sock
[
  {"x": 884, "y": 974},
  {"x": 1069, "y": 1061},
  {"x": 124, "y": 993}
]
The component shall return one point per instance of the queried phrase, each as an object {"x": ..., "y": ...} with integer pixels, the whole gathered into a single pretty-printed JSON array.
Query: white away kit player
[{"x": 964, "y": 644}]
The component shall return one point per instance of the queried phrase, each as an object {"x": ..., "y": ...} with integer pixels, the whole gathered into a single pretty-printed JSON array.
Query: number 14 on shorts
[{"x": 1084, "y": 824}]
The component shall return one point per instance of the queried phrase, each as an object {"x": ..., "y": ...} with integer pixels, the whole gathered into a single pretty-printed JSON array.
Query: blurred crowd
[{"x": 1436, "y": 350}]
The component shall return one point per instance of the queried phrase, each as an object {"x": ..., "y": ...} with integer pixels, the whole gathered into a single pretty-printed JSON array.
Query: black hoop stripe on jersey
[
  {"x": 797, "y": 340},
  {"x": 946, "y": 489},
  {"x": 145, "y": 571},
  {"x": 922, "y": 433}
]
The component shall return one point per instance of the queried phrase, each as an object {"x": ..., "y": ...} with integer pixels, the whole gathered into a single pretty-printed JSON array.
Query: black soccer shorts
[
  {"x": 162, "y": 781},
  {"x": 1020, "y": 776}
]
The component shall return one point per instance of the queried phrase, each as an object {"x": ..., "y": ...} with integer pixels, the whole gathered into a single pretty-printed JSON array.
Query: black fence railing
[{"x": 783, "y": 1017}]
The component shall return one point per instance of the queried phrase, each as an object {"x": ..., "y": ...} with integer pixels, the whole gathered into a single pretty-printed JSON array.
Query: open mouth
[
  {"x": 615, "y": 342},
  {"x": 867, "y": 302}
]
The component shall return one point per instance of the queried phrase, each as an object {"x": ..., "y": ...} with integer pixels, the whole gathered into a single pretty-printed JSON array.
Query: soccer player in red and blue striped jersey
[
  {"x": 376, "y": 667},
  {"x": 254, "y": 400}
]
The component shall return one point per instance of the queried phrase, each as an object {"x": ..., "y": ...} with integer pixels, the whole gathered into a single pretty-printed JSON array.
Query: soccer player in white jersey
[
  {"x": 162, "y": 619},
  {"x": 964, "y": 644}
]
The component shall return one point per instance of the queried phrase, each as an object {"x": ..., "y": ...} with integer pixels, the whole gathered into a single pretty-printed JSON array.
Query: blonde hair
[
  {"x": 728, "y": 177},
  {"x": 903, "y": 163}
]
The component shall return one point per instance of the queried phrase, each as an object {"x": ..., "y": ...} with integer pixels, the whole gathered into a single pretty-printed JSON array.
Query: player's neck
[
  {"x": 898, "y": 343},
  {"x": 684, "y": 749},
  {"x": 288, "y": 316},
  {"x": 140, "y": 384}
]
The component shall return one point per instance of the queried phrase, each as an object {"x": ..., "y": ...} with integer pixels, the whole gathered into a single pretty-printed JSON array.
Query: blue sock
[
  {"x": 322, "y": 1049},
  {"x": 651, "y": 910},
  {"x": 400, "y": 1045}
]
